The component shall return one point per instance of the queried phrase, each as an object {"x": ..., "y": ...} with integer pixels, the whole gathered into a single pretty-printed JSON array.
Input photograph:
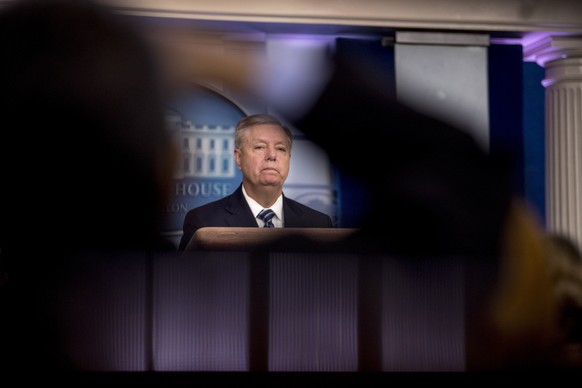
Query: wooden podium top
[{"x": 244, "y": 239}]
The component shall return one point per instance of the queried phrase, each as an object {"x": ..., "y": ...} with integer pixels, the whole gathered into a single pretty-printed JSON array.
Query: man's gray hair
[{"x": 258, "y": 119}]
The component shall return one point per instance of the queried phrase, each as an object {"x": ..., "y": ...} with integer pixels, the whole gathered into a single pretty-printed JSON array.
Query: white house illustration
[{"x": 207, "y": 150}]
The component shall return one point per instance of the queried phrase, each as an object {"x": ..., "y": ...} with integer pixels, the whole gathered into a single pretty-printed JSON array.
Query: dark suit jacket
[{"x": 234, "y": 211}]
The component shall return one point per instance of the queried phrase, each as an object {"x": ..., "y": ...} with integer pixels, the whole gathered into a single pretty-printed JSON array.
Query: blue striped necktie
[{"x": 267, "y": 215}]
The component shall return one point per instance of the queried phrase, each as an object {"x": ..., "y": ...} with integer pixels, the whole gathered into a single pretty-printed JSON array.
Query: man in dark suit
[{"x": 263, "y": 154}]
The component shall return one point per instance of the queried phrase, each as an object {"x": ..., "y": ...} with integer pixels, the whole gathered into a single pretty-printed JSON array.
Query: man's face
[{"x": 264, "y": 156}]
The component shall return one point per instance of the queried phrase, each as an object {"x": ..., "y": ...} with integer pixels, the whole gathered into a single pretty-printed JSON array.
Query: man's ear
[{"x": 237, "y": 157}]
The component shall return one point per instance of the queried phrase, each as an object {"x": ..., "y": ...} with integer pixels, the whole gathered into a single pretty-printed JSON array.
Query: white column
[{"x": 562, "y": 59}]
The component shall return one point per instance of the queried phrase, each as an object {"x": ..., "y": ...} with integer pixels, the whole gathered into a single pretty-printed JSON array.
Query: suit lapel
[
  {"x": 292, "y": 215},
  {"x": 238, "y": 212}
]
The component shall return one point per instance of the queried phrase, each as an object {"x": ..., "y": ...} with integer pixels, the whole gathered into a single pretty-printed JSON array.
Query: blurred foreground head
[
  {"x": 86, "y": 160},
  {"x": 431, "y": 190}
]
